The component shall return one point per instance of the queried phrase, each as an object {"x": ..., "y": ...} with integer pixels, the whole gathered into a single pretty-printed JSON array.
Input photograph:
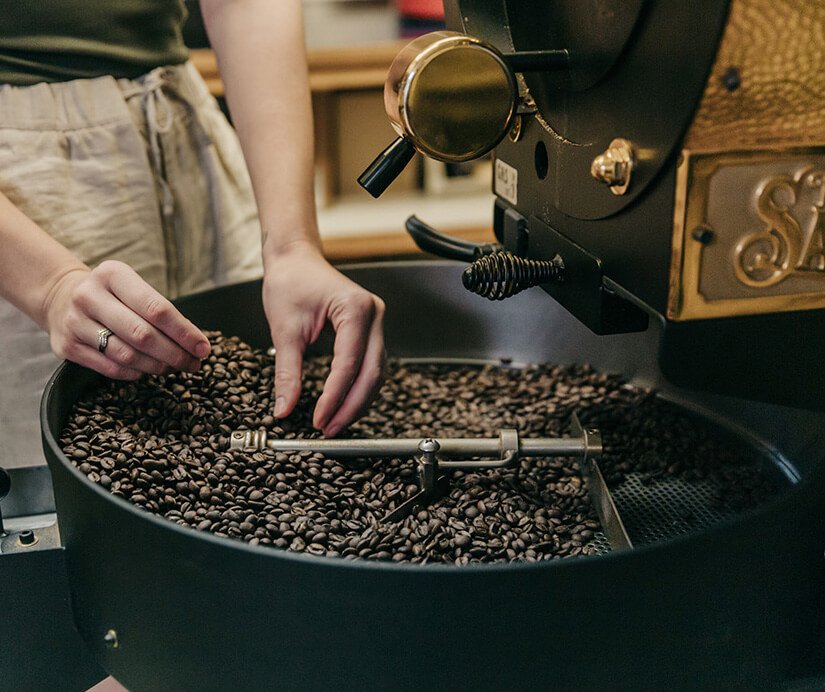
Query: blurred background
[{"x": 350, "y": 45}]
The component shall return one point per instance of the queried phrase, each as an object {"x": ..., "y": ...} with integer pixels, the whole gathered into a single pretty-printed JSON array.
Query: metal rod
[
  {"x": 506, "y": 450},
  {"x": 407, "y": 447},
  {"x": 479, "y": 463}
]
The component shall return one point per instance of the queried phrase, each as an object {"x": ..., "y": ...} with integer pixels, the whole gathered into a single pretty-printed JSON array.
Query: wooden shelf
[
  {"x": 357, "y": 248},
  {"x": 350, "y": 127},
  {"x": 330, "y": 70},
  {"x": 361, "y": 227}
]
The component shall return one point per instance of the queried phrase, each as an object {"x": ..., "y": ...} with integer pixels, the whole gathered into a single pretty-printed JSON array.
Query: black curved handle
[
  {"x": 436, "y": 243},
  {"x": 387, "y": 167},
  {"x": 5, "y": 483},
  {"x": 5, "y": 486}
]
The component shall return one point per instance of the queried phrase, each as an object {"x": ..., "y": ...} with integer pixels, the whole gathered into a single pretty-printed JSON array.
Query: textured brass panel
[
  {"x": 777, "y": 48},
  {"x": 748, "y": 233}
]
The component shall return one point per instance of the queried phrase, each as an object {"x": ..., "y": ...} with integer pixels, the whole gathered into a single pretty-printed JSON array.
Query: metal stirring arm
[
  {"x": 508, "y": 447},
  {"x": 501, "y": 452},
  {"x": 600, "y": 495},
  {"x": 432, "y": 484}
]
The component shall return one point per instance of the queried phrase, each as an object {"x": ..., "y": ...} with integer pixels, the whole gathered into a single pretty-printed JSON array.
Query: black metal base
[
  {"x": 40, "y": 649},
  {"x": 736, "y": 607}
]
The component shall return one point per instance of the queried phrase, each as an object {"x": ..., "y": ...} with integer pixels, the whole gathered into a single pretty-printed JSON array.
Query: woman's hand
[
  {"x": 148, "y": 334},
  {"x": 302, "y": 292},
  {"x": 260, "y": 49}
]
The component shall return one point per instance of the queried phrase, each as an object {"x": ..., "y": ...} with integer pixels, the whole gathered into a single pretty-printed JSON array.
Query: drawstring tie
[
  {"x": 159, "y": 120},
  {"x": 161, "y": 100},
  {"x": 157, "y": 110}
]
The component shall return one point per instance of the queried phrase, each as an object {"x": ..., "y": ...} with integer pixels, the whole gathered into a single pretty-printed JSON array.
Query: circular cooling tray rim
[{"x": 723, "y": 425}]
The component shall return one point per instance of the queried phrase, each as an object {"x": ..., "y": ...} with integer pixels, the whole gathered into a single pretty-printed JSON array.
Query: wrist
[
  {"x": 296, "y": 230},
  {"x": 55, "y": 289},
  {"x": 274, "y": 248}
]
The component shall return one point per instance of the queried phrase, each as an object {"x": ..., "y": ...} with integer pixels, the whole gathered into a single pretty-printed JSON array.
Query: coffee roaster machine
[{"x": 659, "y": 172}]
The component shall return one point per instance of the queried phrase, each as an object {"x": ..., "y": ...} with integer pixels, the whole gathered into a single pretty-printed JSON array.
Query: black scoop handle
[
  {"x": 387, "y": 167},
  {"x": 5, "y": 486},
  {"x": 436, "y": 243}
]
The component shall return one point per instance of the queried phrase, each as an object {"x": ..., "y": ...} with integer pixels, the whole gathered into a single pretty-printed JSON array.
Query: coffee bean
[
  {"x": 462, "y": 539},
  {"x": 161, "y": 442}
]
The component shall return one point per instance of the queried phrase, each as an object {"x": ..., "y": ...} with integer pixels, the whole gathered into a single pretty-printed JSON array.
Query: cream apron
[{"x": 145, "y": 171}]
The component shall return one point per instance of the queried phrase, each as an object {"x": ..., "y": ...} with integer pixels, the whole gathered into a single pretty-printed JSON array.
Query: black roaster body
[{"x": 739, "y": 606}]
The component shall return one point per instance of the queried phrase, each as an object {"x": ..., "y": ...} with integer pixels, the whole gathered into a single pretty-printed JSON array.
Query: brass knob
[{"x": 615, "y": 166}]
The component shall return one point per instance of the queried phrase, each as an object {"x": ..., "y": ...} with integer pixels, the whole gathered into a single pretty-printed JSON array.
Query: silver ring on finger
[{"x": 103, "y": 335}]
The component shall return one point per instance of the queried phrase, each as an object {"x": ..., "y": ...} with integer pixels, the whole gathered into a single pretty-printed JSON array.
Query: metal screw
[
  {"x": 732, "y": 80},
  {"x": 615, "y": 166},
  {"x": 27, "y": 539},
  {"x": 516, "y": 129},
  {"x": 703, "y": 234},
  {"x": 428, "y": 446},
  {"x": 111, "y": 639}
]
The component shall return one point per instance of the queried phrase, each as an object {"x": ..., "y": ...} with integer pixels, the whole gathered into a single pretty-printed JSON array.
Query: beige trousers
[{"x": 145, "y": 171}]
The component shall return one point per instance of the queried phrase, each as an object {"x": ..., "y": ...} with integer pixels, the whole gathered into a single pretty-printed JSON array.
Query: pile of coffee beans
[{"x": 163, "y": 444}]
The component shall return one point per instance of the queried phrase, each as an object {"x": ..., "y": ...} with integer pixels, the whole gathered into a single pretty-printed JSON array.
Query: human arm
[
  {"x": 260, "y": 49},
  {"x": 71, "y": 301}
]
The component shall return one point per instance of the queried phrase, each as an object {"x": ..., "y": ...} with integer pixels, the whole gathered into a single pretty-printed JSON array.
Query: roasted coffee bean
[{"x": 162, "y": 442}]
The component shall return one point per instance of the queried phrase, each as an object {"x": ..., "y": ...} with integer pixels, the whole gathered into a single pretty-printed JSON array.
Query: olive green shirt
[{"x": 59, "y": 40}]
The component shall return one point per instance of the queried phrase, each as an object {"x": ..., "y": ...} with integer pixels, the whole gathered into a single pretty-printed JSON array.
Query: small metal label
[{"x": 506, "y": 182}]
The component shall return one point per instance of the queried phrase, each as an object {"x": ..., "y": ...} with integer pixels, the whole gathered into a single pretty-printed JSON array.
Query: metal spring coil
[{"x": 500, "y": 275}]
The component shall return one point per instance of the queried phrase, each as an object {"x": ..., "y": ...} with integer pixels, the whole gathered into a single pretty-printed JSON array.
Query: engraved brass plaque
[{"x": 749, "y": 234}]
